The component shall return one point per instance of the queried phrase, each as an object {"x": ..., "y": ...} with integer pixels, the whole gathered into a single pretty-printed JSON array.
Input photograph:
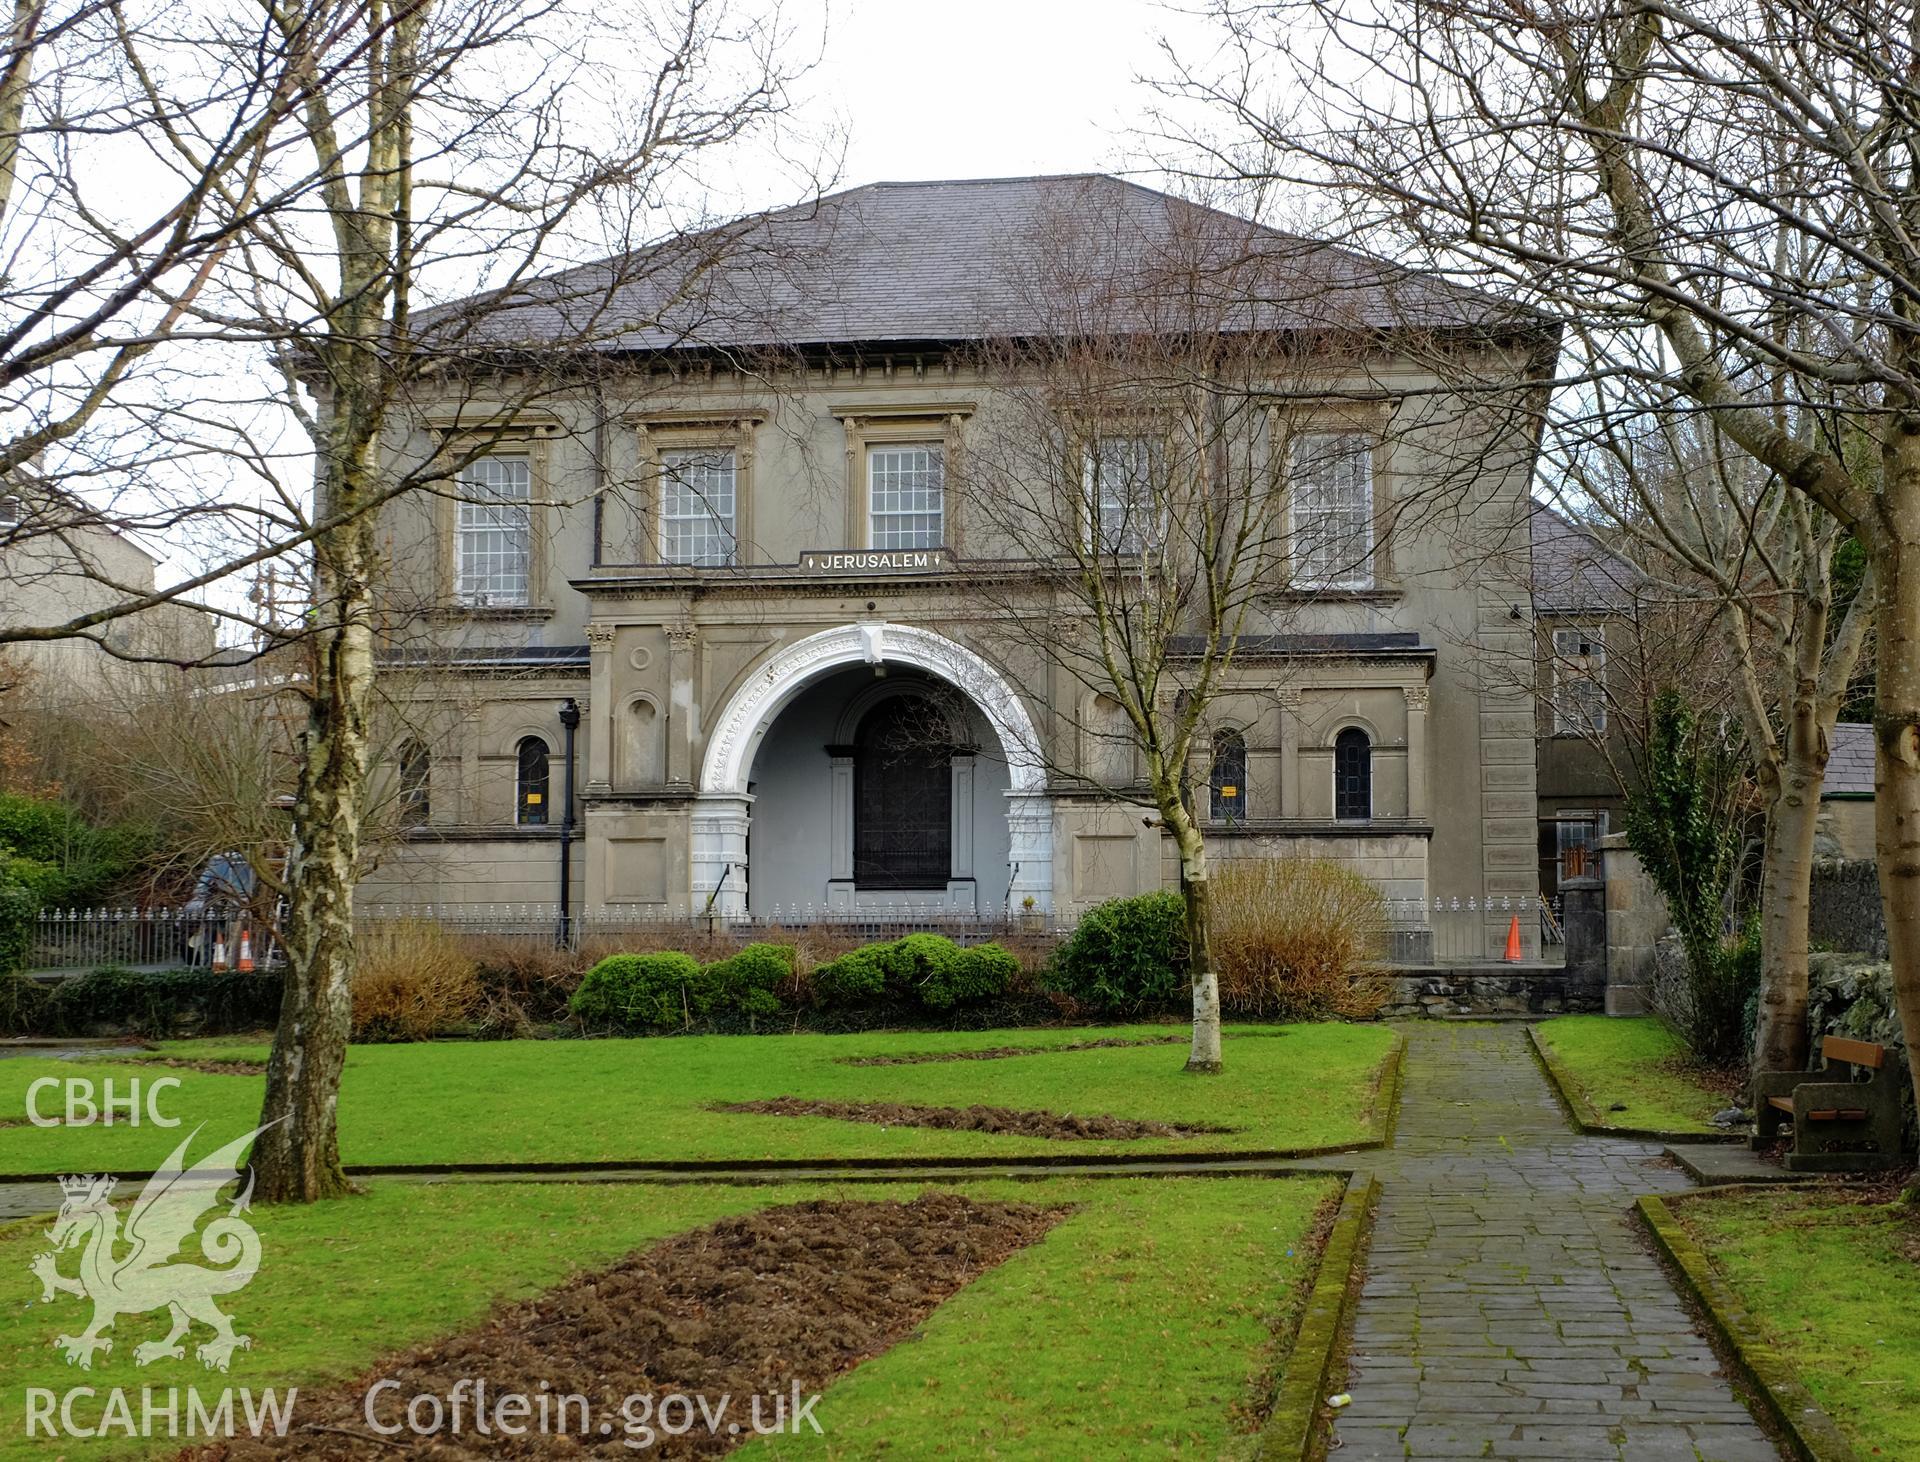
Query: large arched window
[
  {"x": 416, "y": 776},
  {"x": 530, "y": 782},
  {"x": 1228, "y": 780},
  {"x": 902, "y": 797},
  {"x": 1352, "y": 776}
]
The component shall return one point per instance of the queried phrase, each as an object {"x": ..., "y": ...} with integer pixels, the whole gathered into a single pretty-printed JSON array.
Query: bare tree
[
  {"x": 304, "y": 304},
  {"x": 1720, "y": 199},
  {"x": 1173, "y": 434}
]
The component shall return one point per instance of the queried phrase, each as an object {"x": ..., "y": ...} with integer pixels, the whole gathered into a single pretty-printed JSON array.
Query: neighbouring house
[
  {"x": 1846, "y": 793},
  {"x": 744, "y": 552},
  {"x": 58, "y": 562},
  {"x": 1584, "y": 594}
]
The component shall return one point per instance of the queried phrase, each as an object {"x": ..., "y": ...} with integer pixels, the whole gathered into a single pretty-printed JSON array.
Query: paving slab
[{"x": 1511, "y": 1307}]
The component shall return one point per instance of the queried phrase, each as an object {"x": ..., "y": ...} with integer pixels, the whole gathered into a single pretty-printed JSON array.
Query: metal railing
[
  {"x": 1470, "y": 929},
  {"x": 72, "y": 939},
  {"x": 1444, "y": 930},
  {"x": 891, "y": 920}
]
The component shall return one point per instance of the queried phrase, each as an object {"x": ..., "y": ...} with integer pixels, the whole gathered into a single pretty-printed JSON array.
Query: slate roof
[
  {"x": 927, "y": 262},
  {"x": 1849, "y": 761},
  {"x": 1573, "y": 572}
]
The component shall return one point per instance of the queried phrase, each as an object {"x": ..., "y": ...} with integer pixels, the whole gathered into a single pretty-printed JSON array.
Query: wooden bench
[{"x": 1843, "y": 1121}]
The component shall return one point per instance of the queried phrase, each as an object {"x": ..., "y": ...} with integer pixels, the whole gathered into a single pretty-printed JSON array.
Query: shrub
[
  {"x": 1126, "y": 954},
  {"x": 413, "y": 981},
  {"x": 643, "y": 992},
  {"x": 856, "y": 978},
  {"x": 115, "y": 1000},
  {"x": 747, "y": 985},
  {"x": 970, "y": 976},
  {"x": 18, "y": 906},
  {"x": 524, "y": 983},
  {"x": 63, "y": 858},
  {"x": 1710, "y": 997},
  {"x": 1289, "y": 936}
]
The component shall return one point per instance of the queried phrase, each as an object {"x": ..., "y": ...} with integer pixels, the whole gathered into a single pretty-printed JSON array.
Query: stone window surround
[
  {"x": 1284, "y": 424},
  {"x": 904, "y": 424},
  {"x": 658, "y": 432},
  {"x": 532, "y": 441}
]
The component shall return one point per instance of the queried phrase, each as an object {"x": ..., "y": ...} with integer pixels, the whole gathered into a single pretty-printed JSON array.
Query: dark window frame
[
  {"x": 416, "y": 783},
  {"x": 532, "y": 781},
  {"x": 1229, "y": 770},
  {"x": 1353, "y": 776}
]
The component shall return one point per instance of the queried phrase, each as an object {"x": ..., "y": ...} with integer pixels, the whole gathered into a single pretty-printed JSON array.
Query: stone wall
[
  {"x": 1845, "y": 913},
  {"x": 1636, "y": 918},
  {"x": 1487, "y": 990}
]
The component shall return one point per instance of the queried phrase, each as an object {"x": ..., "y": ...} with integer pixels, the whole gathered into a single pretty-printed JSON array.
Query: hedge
[{"x": 113, "y": 1000}]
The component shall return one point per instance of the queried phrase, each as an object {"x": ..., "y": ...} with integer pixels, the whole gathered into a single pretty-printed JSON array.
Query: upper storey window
[
  {"x": 1332, "y": 490},
  {"x": 906, "y": 497},
  {"x": 1120, "y": 494},
  {"x": 493, "y": 536},
  {"x": 1579, "y": 680},
  {"x": 697, "y": 491}
]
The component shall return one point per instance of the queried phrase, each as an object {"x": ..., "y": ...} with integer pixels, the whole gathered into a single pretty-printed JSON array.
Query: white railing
[{"x": 1468, "y": 929}]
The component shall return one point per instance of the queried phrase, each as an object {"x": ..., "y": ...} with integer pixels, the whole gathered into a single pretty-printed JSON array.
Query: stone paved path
[{"x": 1510, "y": 1308}]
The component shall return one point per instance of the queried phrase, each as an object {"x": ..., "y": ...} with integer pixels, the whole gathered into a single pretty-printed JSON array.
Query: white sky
[{"x": 993, "y": 88}]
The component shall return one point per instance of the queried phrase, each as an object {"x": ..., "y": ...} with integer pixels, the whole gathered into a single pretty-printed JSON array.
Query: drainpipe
[{"x": 570, "y": 719}]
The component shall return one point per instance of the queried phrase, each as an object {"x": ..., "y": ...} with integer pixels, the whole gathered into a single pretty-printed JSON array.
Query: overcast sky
[{"x": 993, "y": 88}]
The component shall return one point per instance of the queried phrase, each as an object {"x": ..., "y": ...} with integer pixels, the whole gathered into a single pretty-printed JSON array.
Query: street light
[{"x": 570, "y": 721}]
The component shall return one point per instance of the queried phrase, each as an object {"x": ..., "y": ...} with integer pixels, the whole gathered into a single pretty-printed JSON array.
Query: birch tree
[{"x": 1722, "y": 196}]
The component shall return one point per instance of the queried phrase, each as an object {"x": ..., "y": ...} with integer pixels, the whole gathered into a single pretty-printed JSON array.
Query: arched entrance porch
[{"x": 824, "y": 773}]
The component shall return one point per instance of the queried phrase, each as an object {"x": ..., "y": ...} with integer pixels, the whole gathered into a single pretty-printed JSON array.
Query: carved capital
[
  {"x": 1416, "y": 697},
  {"x": 600, "y": 636},
  {"x": 1289, "y": 697},
  {"x": 680, "y": 636}
]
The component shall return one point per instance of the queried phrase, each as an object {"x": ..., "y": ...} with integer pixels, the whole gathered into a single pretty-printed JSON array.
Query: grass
[
  {"x": 1148, "y": 1318},
  {"x": 1626, "y": 1073},
  {"x": 1836, "y": 1287},
  {"x": 650, "y": 1100}
]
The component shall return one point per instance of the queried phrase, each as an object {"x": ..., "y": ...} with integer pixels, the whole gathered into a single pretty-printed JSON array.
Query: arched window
[
  {"x": 530, "y": 782},
  {"x": 1229, "y": 777},
  {"x": 416, "y": 775},
  {"x": 902, "y": 797},
  {"x": 1352, "y": 776}
]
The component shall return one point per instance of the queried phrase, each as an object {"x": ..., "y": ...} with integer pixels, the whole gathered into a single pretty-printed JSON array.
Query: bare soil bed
[
  {"x": 1003, "y": 1053},
  {"x": 743, "y": 1308},
  {"x": 999, "y": 1120}
]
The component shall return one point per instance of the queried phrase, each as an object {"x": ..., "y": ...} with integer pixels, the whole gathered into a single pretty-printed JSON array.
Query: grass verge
[
  {"x": 1285, "y": 1087},
  {"x": 1152, "y": 1318},
  {"x": 1627, "y": 1075},
  {"x": 1827, "y": 1283}
]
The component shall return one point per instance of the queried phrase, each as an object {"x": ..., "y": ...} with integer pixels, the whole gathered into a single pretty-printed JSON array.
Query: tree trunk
[
  {"x": 1204, "y": 1057},
  {"x": 298, "y": 1160},
  {"x": 1896, "y": 803},
  {"x": 1793, "y": 815}
]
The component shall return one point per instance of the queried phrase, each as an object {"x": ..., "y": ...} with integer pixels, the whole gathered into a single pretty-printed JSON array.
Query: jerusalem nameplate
[{"x": 875, "y": 561}]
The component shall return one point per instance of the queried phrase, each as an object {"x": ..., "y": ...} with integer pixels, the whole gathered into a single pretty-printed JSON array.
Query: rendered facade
[{"x": 755, "y": 559}]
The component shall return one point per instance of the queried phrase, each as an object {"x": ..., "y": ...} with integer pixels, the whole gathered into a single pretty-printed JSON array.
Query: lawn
[
  {"x": 1152, "y": 1317},
  {"x": 1836, "y": 1286},
  {"x": 650, "y": 1100},
  {"x": 1628, "y": 1073}
]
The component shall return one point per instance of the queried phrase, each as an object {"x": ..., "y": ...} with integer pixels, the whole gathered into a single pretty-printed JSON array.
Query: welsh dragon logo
[{"x": 128, "y": 1271}]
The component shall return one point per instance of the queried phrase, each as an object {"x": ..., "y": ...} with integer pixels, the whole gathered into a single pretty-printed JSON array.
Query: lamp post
[{"x": 570, "y": 722}]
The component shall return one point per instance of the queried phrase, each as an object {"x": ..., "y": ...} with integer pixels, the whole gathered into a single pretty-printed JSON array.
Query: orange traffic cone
[
  {"x": 1513, "y": 941},
  {"x": 245, "y": 963},
  {"x": 219, "y": 953}
]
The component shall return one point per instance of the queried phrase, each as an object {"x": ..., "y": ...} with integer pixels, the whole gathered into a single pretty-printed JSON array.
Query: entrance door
[{"x": 902, "y": 797}]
